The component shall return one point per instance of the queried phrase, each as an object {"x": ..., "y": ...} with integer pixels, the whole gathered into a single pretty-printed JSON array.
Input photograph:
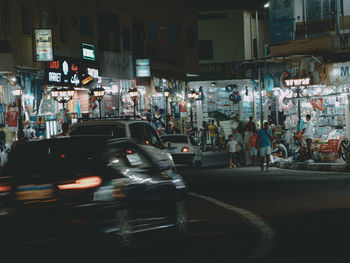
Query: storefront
[
  {"x": 117, "y": 78},
  {"x": 65, "y": 73}
]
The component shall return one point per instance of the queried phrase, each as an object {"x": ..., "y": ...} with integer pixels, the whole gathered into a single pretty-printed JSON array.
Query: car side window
[
  {"x": 138, "y": 132},
  {"x": 152, "y": 136}
]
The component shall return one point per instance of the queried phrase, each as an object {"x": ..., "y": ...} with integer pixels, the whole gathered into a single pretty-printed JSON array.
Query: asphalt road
[{"x": 239, "y": 215}]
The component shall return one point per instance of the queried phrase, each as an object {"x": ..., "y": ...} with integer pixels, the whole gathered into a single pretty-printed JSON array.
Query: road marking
[{"x": 266, "y": 232}]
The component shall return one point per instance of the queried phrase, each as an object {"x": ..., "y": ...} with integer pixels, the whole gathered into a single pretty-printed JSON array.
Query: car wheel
[
  {"x": 181, "y": 218},
  {"x": 124, "y": 228}
]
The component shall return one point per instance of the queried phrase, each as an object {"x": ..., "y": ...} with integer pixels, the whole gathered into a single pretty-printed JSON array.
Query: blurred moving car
[
  {"x": 50, "y": 188},
  {"x": 140, "y": 130},
  {"x": 184, "y": 149}
]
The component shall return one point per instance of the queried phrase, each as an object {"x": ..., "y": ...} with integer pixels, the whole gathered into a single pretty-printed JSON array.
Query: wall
[{"x": 179, "y": 55}]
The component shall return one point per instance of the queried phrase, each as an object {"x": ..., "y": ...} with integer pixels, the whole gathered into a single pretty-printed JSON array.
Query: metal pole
[
  {"x": 135, "y": 108},
  {"x": 20, "y": 135},
  {"x": 99, "y": 108},
  {"x": 191, "y": 114},
  {"x": 257, "y": 59}
]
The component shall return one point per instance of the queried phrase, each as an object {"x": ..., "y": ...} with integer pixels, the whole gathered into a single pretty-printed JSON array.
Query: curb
[{"x": 330, "y": 167}]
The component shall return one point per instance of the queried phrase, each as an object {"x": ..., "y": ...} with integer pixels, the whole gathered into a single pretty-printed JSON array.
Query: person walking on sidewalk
[
  {"x": 232, "y": 149},
  {"x": 240, "y": 154},
  {"x": 203, "y": 134},
  {"x": 213, "y": 132},
  {"x": 221, "y": 135},
  {"x": 264, "y": 140},
  {"x": 253, "y": 147}
]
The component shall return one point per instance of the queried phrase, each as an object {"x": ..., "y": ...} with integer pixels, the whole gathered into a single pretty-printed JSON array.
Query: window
[
  {"x": 153, "y": 30},
  {"x": 115, "y": 130},
  {"x": 138, "y": 38},
  {"x": 126, "y": 40},
  {"x": 190, "y": 38},
  {"x": 205, "y": 49},
  {"x": 174, "y": 139},
  {"x": 64, "y": 29},
  {"x": 86, "y": 27},
  {"x": 172, "y": 29},
  {"x": 144, "y": 134},
  {"x": 26, "y": 25},
  {"x": 4, "y": 16}
]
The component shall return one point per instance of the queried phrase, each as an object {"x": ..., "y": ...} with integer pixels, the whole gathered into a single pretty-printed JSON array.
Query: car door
[{"x": 149, "y": 189}]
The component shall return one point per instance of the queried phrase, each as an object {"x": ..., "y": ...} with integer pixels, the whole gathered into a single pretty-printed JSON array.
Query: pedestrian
[
  {"x": 232, "y": 149},
  {"x": 247, "y": 134},
  {"x": 203, "y": 134},
  {"x": 239, "y": 139},
  {"x": 264, "y": 140},
  {"x": 213, "y": 132},
  {"x": 221, "y": 135},
  {"x": 308, "y": 132},
  {"x": 250, "y": 125},
  {"x": 253, "y": 147}
]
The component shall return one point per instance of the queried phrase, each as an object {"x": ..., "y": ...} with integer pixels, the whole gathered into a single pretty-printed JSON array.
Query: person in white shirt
[
  {"x": 308, "y": 133},
  {"x": 232, "y": 149}
]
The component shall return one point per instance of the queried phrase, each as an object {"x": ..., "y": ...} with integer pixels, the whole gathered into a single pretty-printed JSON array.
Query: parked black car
[{"x": 112, "y": 186}]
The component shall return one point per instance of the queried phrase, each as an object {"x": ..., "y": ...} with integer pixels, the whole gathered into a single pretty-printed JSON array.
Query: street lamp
[
  {"x": 133, "y": 93},
  {"x": 17, "y": 92},
  {"x": 99, "y": 93},
  {"x": 266, "y": 5},
  {"x": 62, "y": 95}
]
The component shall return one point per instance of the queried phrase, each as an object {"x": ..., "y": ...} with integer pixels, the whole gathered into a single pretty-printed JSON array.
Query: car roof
[
  {"x": 107, "y": 122},
  {"x": 177, "y": 135},
  {"x": 89, "y": 139}
]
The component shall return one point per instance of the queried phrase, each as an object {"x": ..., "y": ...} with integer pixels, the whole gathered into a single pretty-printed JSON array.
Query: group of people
[{"x": 216, "y": 135}]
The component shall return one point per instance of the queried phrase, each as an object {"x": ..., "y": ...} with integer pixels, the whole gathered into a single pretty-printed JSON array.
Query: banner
[
  {"x": 117, "y": 66},
  {"x": 43, "y": 45}
]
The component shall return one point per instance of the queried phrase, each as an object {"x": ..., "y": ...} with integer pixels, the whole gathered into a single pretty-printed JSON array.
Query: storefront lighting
[
  {"x": 62, "y": 95},
  {"x": 133, "y": 93},
  {"x": 166, "y": 93},
  {"x": 17, "y": 92},
  {"x": 297, "y": 82},
  {"x": 267, "y": 4},
  {"x": 99, "y": 93}
]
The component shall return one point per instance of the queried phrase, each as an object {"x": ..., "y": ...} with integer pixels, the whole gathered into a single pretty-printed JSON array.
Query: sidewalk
[{"x": 327, "y": 167}]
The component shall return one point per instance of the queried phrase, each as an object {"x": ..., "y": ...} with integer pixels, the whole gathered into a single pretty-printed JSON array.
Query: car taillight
[
  {"x": 185, "y": 149},
  {"x": 5, "y": 188},
  {"x": 82, "y": 183}
]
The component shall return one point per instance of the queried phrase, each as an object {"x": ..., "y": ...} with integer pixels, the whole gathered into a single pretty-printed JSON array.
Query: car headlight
[{"x": 179, "y": 184}]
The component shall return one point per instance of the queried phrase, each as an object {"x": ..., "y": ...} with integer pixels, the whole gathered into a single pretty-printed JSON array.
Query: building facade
[{"x": 118, "y": 33}]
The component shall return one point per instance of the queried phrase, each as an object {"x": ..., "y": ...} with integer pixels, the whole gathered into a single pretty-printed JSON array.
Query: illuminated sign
[
  {"x": 297, "y": 82},
  {"x": 43, "y": 45},
  {"x": 63, "y": 72},
  {"x": 143, "y": 68},
  {"x": 88, "y": 51}
]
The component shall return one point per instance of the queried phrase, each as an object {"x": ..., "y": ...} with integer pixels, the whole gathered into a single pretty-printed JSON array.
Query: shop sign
[
  {"x": 88, "y": 51},
  {"x": 43, "y": 45},
  {"x": 314, "y": 27},
  {"x": 143, "y": 68},
  {"x": 63, "y": 72},
  {"x": 338, "y": 73},
  {"x": 117, "y": 66},
  {"x": 183, "y": 109}
]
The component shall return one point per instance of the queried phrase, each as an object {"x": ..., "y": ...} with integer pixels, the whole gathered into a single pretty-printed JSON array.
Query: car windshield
[
  {"x": 175, "y": 139},
  {"x": 115, "y": 130},
  {"x": 54, "y": 156}
]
